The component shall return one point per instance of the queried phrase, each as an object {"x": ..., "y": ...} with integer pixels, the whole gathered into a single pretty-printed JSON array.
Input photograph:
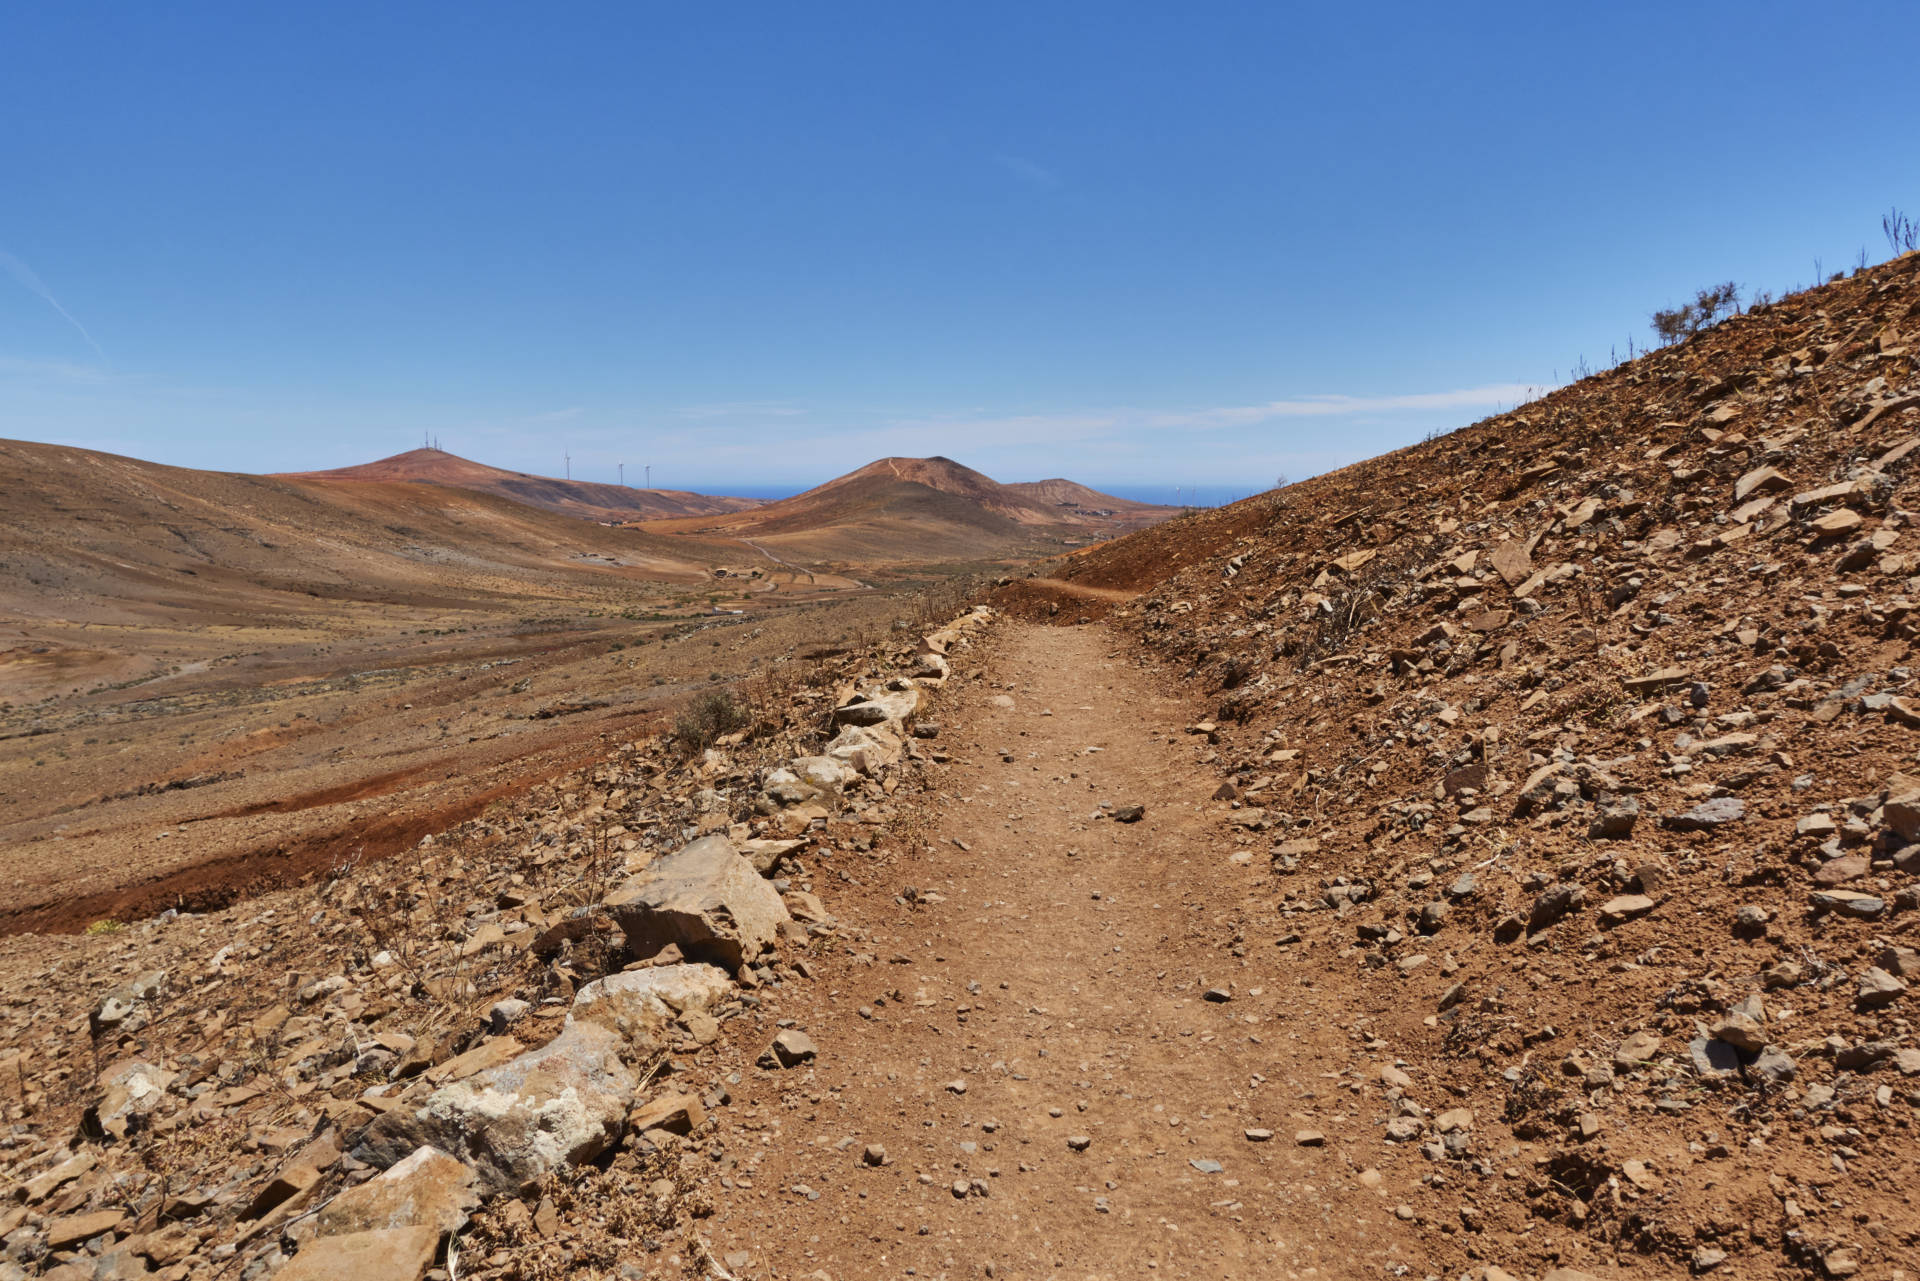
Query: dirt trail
[{"x": 1057, "y": 966}]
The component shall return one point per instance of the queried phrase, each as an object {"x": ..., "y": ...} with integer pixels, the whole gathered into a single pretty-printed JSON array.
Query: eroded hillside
[{"x": 1586, "y": 744}]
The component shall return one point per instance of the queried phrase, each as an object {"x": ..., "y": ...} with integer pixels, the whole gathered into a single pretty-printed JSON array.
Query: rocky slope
[
  {"x": 484, "y": 1059},
  {"x": 1586, "y": 743}
]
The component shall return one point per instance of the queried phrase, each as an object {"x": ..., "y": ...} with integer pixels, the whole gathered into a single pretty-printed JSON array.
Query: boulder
[
  {"x": 865, "y": 749},
  {"x": 129, "y": 1092},
  {"x": 394, "y": 1254},
  {"x": 642, "y": 1004},
  {"x": 427, "y": 1190},
  {"x": 706, "y": 899},
  {"x": 516, "y": 1123}
]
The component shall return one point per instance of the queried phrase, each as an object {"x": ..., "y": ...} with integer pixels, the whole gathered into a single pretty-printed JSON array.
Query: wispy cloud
[
  {"x": 741, "y": 409},
  {"x": 1036, "y": 175},
  {"x": 1337, "y": 406},
  {"x": 27, "y": 277},
  {"x": 56, "y": 371},
  {"x": 1084, "y": 424}
]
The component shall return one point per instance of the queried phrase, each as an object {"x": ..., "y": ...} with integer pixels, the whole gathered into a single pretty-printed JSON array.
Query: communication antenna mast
[
  {"x": 649, "y": 475},
  {"x": 623, "y": 475},
  {"x": 569, "y": 458}
]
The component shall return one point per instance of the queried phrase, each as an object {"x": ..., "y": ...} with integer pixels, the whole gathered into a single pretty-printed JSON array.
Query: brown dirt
[{"x": 1059, "y": 962}]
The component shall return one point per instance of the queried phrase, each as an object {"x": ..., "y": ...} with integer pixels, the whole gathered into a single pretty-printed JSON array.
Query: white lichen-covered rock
[
  {"x": 865, "y": 749},
  {"x": 129, "y": 1093},
  {"x": 514, "y": 1124},
  {"x": 641, "y": 1005},
  {"x": 704, "y": 898},
  {"x": 883, "y": 705}
]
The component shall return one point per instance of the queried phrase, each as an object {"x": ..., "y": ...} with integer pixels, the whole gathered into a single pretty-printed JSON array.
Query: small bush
[
  {"x": 106, "y": 925},
  {"x": 1902, "y": 232},
  {"x": 1708, "y": 307},
  {"x": 704, "y": 719}
]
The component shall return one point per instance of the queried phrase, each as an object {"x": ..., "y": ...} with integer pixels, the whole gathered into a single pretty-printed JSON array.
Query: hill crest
[{"x": 588, "y": 500}]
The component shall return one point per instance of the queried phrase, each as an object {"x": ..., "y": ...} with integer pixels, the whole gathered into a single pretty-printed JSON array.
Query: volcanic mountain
[
  {"x": 925, "y": 509},
  {"x": 87, "y": 536},
  {"x": 586, "y": 499}
]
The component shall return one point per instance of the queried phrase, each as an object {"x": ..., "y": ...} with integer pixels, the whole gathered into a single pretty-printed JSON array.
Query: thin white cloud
[
  {"x": 741, "y": 408},
  {"x": 57, "y": 371},
  {"x": 1081, "y": 424},
  {"x": 27, "y": 277}
]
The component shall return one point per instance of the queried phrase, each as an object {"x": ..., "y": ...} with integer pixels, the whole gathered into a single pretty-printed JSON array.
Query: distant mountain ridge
[
  {"x": 586, "y": 499},
  {"x": 927, "y": 509}
]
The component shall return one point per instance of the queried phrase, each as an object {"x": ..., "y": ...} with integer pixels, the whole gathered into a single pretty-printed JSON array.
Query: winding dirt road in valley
[{"x": 1036, "y": 1040}]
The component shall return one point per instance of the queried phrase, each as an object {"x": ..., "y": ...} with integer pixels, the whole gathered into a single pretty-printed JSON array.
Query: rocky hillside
[
  {"x": 1586, "y": 740},
  {"x": 588, "y": 500},
  {"x": 491, "y": 1057}
]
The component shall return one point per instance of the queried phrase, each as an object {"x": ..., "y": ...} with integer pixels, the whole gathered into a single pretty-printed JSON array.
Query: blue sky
[{"x": 758, "y": 245}]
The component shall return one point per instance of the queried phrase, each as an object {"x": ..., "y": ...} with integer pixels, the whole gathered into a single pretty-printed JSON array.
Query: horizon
[{"x": 1139, "y": 253}]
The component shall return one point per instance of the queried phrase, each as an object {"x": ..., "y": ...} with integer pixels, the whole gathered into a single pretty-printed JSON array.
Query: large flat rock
[
  {"x": 559, "y": 1105},
  {"x": 642, "y": 1004},
  {"x": 705, "y": 898}
]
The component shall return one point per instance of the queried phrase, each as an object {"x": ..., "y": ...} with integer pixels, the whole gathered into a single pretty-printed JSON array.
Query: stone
[
  {"x": 1626, "y": 907},
  {"x": 674, "y": 1113},
  {"x": 1309, "y": 1138},
  {"x": 1128, "y": 813},
  {"x": 1258, "y": 1136},
  {"x": 428, "y": 1189},
  {"x": 129, "y": 1093},
  {"x": 559, "y": 1105},
  {"x": 1708, "y": 815},
  {"x": 793, "y": 1047},
  {"x": 1706, "y": 1258},
  {"x": 502, "y": 1015},
  {"x": 1079, "y": 1142},
  {"x": 65, "y": 1233},
  {"x": 1774, "y": 1066},
  {"x": 1835, "y": 524},
  {"x": 1740, "y": 1030},
  {"x": 641, "y": 1005},
  {"x": 1454, "y": 1119},
  {"x": 1713, "y": 1058},
  {"x": 1901, "y": 962},
  {"x": 1512, "y": 562},
  {"x": 298, "y": 1176},
  {"x": 1637, "y": 1050},
  {"x": 1765, "y": 480},
  {"x": 1206, "y": 1166},
  {"x": 874, "y": 1154},
  {"x": 1878, "y": 988},
  {"x": 705, "y": 899},
  {"x": 1849, "y": 867},
  {"x": 392, "y": 1254},
  {"x": 1553, "y": 903},
  {"x": 1613, "y": 818},
  {"x": 1848, "y": 903}
]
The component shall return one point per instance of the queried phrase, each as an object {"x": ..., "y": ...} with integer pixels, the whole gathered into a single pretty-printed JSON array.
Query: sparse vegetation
[
  {"x": 1709, "y": 306},
  {"x": 106, "y": 925},
  {"x": 1902, "y": 232},
  {"x": 704, "y": 719}
]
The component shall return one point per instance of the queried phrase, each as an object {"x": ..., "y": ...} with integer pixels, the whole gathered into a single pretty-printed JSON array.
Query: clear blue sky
[{"x": 759, "y": 244}]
